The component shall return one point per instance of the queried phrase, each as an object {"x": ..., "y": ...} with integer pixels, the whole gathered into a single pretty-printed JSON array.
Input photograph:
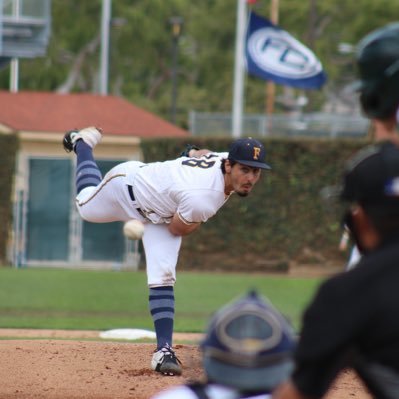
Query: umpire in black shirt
[{"x": 353, "y": 321}]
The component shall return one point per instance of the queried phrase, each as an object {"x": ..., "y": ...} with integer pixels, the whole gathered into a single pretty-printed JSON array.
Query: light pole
[
  {"x": 14, "y": 75},
  {"x": 177, "y": 23}
]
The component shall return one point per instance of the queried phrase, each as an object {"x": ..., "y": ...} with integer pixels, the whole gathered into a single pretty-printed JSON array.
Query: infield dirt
[{"x": 75, "y": 364}]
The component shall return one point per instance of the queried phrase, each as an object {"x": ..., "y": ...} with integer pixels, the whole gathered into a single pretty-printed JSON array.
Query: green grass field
[{"x": 100, "y": 300}]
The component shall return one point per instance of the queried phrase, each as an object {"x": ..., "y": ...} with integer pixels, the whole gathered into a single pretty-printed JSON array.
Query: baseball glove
[{"x": 189, "y": 147}]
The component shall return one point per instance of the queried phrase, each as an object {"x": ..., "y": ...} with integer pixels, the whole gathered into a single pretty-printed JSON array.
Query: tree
[{"x": 141, "y": 59}]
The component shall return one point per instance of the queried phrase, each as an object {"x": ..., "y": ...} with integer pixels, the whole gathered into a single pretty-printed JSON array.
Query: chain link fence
[{"x": 308, "y": 125}]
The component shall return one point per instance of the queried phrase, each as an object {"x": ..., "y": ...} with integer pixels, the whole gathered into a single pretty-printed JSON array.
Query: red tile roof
[{"x": 52, "y": 112}]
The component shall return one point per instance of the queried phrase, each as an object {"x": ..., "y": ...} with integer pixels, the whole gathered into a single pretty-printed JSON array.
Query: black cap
[
  {"x": 377, "y": 56},
  {"x": 372, "y": 176},
  {"x": 250, "y": 152},
  {"x": 248, "y": 345}
]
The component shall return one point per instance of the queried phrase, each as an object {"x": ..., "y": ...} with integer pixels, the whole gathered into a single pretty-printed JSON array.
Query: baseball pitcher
[{"x": 171, "y": 199}]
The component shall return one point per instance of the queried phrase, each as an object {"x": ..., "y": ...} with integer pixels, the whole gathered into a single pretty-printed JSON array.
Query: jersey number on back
[{"x": 200, "y": 162}]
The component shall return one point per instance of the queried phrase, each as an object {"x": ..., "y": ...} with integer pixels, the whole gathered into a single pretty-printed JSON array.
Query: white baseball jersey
[
  {"x": 192, "y": 187},
  {"x": 153, "y": 193},
  {"x": 213, "y": 391}
]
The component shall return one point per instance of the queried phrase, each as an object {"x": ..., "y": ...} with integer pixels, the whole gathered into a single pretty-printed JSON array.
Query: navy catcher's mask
[{"x": 248, "y": 345}]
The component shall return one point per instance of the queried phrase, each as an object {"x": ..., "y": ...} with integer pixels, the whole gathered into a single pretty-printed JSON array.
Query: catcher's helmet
[
  {"x": 378, "y": 63},
  {"x": 248, "y": 345}
]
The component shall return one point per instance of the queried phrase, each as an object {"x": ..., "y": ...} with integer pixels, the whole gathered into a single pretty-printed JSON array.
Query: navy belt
[
  {"x": 131, "y": 193},
  {"x": 132, "y": 197}
]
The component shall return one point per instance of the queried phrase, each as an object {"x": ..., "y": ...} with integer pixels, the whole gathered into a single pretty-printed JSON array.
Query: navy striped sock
[
  {"x": 87, "y": 172},
  {"x": 162, "y": 307}
]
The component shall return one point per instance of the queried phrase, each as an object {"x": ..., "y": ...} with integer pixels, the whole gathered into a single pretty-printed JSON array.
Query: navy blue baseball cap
[
  {"x": 250, "y": 152},
  {"x": 248, "y": 345}
]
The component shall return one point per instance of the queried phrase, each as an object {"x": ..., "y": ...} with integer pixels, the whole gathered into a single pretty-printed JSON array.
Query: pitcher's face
[{"x": 241, "y": 178}]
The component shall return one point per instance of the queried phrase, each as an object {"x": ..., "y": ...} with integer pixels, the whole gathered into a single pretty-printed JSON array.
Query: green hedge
[
  {"x": 284, "y": 221},
  {"x": 8, "y": 150}
]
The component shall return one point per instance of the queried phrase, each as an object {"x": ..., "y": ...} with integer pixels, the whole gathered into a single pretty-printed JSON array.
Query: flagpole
[
  {"x": 239, "y": 69},
  {"x": 104, "y": 56},
  {"x": 270, "y": 86}
]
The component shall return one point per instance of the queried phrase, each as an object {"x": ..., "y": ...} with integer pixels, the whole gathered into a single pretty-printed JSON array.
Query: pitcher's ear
[{"x": 227, "y": 166}]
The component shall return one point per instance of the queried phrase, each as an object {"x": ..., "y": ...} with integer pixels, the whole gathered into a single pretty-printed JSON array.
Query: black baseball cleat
[
  {"x": 90, "y": 135},
  {"x": 68, "y": 142},
  {"x": 166, "y": 362}
]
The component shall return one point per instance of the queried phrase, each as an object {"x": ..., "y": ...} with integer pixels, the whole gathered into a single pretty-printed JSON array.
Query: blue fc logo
[{"x": 278, "y": 53}]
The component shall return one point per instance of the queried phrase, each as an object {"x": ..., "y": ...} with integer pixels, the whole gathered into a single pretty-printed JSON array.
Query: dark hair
[{"x": 223, "y": 166}]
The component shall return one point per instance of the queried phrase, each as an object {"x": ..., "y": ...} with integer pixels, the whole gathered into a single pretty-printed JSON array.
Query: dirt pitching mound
[{"x": 69, "y": 369}]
